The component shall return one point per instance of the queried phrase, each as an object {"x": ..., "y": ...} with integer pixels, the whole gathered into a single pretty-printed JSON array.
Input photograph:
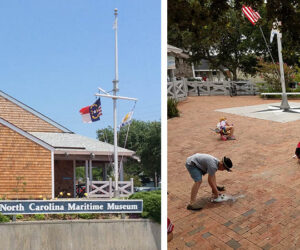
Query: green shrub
[
  {"x": 56, "y": 216},
  {"x": 172, "y": 108},
  {"x": 86, "y": 216},
  {"x": 267, "y": 88},
  {"x": 19, "y": 216},
  {"x": 39, "y": 217},
  {"x": 72, "y": 216},
  {"x": 270, "y": 73},
  {"x": 4, "y": 218},
  {"x": 151, "y": 204}
]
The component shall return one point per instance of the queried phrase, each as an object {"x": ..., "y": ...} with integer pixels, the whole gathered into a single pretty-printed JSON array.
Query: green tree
[
  {"x": 144, "y": 139},
  {"x": 289, "y": 13},
  {"x": 270, "y": 73},
  {"x": 218, "y": 32},
  {"x": 297, "y": 74},
  {"x": 217, "y": 36}
]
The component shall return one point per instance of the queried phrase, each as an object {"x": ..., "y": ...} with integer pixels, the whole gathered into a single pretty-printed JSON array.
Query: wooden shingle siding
[
  {"x": 24, "y": 119},
  {"x": 23, "y": 159}
]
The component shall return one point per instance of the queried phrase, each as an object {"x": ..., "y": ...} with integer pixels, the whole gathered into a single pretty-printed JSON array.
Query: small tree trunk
[
  {"x": 155, "y": 179},
  {"x": 234, "y": 72}
]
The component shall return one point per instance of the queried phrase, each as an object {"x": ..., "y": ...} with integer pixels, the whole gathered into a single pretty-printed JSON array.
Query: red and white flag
[
  {"x": 92, "y": 113},
  {"x": 252, "y": 16}
]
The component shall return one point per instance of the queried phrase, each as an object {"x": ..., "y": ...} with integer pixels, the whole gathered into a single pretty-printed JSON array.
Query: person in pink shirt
[
  {"x": 170, "y": 230},
  {"x": 224, "y": 126}
]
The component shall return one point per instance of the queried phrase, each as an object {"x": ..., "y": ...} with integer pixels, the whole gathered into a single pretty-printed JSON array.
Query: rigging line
[
  {"x": 125, "y": 140},
  {"x": 133, "y": 105},
  {"x": 269, "y": 50},
  {"x": 128, "y": 130}
]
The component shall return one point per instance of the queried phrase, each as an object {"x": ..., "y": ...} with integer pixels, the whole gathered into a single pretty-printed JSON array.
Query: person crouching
[{"x": 201, "y": 164}]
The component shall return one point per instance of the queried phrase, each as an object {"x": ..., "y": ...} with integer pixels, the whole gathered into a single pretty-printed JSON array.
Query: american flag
[{"x": 252, "y": 16}]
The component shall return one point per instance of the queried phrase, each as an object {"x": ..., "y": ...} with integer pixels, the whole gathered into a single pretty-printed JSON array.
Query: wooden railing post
[
  {"x": 88, "y": 186},
  {"x": 110, "y": 188},
  {"x": 131, "y": 185},
  {"x": 185, "y": 88},
  {"x": 175, "y": 90},
  {"x": 252, "y": 87}
]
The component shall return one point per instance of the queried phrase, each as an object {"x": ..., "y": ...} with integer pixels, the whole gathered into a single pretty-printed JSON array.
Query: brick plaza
[{"x": 268, "y": 217}]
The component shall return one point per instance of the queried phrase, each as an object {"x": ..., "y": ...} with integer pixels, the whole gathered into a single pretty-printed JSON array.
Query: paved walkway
[{"x": 268, "y": 217}]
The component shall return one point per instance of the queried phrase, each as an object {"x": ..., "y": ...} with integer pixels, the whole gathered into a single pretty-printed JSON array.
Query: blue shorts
[{"x": 195, "y": 172}]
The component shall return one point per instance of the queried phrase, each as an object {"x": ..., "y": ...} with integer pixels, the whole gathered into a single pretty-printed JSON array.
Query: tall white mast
[
  {"x": 284, "y": 102},
  {"x": 115, "y": 97},
  {"x": 115, "y": 90}
]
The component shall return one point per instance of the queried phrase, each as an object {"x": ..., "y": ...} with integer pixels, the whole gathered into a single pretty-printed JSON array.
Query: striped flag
[
  {"x": 252, "y": 16},
  {"x": 127, "y": 119},
  {"x": 91, "y": 113}
]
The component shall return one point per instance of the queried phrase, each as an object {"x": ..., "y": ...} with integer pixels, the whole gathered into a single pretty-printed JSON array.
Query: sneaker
[
  {"x": 217, "y": 130},
  {"x": 230, "y": 138},
  {"x": 193, "y": 207},
  {"x": 223, "y": 138},
  {"x": 220, "y": 198}
]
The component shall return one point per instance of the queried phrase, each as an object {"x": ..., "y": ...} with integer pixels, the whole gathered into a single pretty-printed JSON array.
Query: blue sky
[{"x": 55, "y": 54}]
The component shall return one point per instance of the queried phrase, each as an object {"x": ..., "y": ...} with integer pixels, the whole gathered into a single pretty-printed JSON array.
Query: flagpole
[
  {"x": 253, "y": 17},
  {"x": 115, "y": 98},
  {"x": 268, "y": 48},
  {"x": 115, "y": 90},
  {"x": 284, "y": 101}
]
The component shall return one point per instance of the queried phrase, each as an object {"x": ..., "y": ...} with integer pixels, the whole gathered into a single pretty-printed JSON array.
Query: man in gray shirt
[{"x": 201, "y": 164}]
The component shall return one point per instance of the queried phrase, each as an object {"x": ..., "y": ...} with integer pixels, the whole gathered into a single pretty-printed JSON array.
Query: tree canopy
[
  {"x": 218, "y": 31},
  {"x": 145, "y": 139}
]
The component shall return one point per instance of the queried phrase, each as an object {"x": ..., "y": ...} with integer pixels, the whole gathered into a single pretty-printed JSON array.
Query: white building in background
[
  {"x": 204, "y": 72},
  {"x": 180, "y": 67}
]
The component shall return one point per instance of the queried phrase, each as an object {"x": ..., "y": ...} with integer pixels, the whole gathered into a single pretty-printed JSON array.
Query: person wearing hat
[
  {"x": 201, "y": 164},
  {"x": 297, "y": 152},
  {"x": 226, "y": 129}
]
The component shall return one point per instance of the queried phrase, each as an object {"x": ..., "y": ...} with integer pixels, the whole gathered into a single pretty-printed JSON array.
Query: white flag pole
[
  {"x": 284, "y": 102},
  {"x": 115, "y": 90},
  {"x": 115, "y": 97}
]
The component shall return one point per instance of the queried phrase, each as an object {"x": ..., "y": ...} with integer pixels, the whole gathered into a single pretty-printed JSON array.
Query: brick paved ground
[{"x": 268, "y": 217}]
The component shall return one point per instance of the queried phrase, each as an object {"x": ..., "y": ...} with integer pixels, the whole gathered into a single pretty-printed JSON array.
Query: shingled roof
[
  {"x": 78, "y": 144},
  {"x": 64, "y": 142}
]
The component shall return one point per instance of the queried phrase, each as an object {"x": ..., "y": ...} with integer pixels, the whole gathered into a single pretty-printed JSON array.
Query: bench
[{"x": 288, "y": 93}]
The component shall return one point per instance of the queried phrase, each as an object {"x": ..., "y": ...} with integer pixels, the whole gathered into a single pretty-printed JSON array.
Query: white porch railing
[
  {"x": 179, "y": 90},
  {"x": 105, "y": 189}
]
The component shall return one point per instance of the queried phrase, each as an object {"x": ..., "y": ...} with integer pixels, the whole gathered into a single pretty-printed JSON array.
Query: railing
[
  {"x": 179, "y": 90},
  {"x": 105, "y": 189}
]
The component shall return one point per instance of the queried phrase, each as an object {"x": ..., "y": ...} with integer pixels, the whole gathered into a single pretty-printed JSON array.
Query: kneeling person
[
  {"x": 201, "y": 164},
  {"x": 224, "y": 126},
  {"x": 297, "y": 152}
]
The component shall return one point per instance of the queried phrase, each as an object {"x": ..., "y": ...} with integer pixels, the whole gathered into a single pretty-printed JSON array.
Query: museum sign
[{"x": 70, "y": 206}]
